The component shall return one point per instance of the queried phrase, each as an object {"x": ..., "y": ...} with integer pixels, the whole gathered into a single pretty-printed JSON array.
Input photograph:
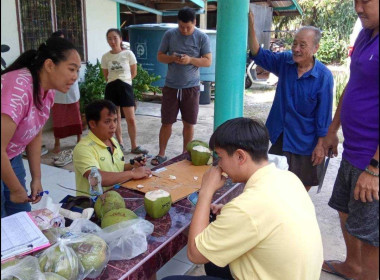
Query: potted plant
[
  {"x": 92, "y": 88},
  {"x": 143, "y": 83}
]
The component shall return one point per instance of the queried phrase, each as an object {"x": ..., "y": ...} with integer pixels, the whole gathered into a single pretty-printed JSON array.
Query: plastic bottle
[{"x": 95, "y": 182}]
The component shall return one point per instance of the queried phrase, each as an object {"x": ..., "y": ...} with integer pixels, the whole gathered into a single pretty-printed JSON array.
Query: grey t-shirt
[{"x": 194, "y": 45}]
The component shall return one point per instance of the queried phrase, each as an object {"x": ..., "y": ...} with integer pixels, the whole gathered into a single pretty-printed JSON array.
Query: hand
[
  {"x": 331, "y": 140},
  {"x": 139, "y": 161},
  {"x": 212, "y": 180},
  {"x": 140, "y": 173},
  {"x": 184, "y": 59},
  {"x": 318, "y": 155},
  {"x": 36, "y": 188},
  {"x": 19, "y": 196},
  {"x": 215, "y": 208},
  {"x": 251, "y": 21},
  {"x": 367, "y": 187}
]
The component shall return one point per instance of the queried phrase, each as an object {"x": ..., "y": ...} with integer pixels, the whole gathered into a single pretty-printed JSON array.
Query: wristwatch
[{"x": 374, "y": 163}]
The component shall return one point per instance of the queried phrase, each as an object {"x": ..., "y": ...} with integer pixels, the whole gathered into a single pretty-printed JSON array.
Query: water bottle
[{"x": 95, "y": 182}]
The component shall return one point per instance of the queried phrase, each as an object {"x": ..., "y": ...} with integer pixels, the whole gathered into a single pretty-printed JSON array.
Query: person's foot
[
  {"x": 340, "y": 269},
  {"x": 158, "y": 160},
  {"x": 139, "y": 150}
]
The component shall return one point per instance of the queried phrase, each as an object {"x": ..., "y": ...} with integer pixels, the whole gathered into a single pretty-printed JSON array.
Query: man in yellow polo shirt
[
  {"x": 99, "y": 149},
  {"x": 270, "y": 230}
]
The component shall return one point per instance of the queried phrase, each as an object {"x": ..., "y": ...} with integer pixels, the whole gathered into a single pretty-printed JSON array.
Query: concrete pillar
[
  {"x": 159, "y": 19},
  {"x": 231, "y": 51},
  {"x": 203, "y": 18}
]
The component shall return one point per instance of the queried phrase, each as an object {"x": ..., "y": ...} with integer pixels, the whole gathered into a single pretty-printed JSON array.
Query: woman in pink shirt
[{"x": 27, "y": 94}]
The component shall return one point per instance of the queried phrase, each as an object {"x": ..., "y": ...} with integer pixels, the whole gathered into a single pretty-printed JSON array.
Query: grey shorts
[
  {"x": 299, "y": 164},
  {"x": 363, "y": 218}
]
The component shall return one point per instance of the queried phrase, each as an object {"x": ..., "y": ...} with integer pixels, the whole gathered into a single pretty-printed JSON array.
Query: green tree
[{"x": 335, "y": 18}]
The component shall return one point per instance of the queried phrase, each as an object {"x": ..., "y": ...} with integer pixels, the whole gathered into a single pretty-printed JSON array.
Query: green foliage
[
  {"x": 335, "y": 18},
  {"x": 341, "y": 80},
  {"x": 93, "y": 86},
  {"x": 143, "y": 83}
]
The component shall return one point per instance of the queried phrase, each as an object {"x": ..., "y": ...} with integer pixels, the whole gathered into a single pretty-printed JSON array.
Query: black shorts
[
  {"x": 120, "y": 93},
  {"x": 299, "y": 164},
  {"x": 363, "y": 217}
]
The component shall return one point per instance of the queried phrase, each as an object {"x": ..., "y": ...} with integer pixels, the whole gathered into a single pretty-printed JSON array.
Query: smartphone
[
  {"x": 178, "y": 55},
  {"x": 193, "y": 198}
]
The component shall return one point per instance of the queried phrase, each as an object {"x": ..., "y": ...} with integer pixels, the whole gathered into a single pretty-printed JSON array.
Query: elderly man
[
  {"x": 101, "y": 150},
  {"x": 356, "y": 189},
  {"x": 301, "y": 110},
  {"x": 184, "y": 49}
]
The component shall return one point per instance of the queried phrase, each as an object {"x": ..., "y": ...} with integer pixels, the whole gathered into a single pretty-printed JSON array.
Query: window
[{"x": 39, "y": 18}]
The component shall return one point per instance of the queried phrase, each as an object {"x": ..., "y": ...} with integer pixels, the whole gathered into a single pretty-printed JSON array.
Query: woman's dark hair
[
  {"x": 118, "y": 32},
  {"x": 93, "y": 109},
  {"x": 57, "y": 49},
  {"x": 186, "y": 14},
  {"x": 242, "y": 133}
]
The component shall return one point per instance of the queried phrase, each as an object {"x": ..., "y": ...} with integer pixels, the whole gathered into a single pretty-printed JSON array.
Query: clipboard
[{"x": 20, "y": 235}]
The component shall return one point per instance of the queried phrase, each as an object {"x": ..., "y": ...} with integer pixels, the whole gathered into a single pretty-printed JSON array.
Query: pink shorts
[{"x": 186, "y": 100}]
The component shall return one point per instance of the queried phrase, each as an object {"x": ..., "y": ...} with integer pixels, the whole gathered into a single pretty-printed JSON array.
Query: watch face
[{"x": 374, "y": 163}]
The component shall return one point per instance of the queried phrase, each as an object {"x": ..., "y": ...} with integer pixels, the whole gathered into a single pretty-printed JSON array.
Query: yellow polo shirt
[
  {"x": 269, "y": 232},
  {"x": 92, "y": 152}
]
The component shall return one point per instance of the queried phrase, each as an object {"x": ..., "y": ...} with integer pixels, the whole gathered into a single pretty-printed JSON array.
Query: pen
[{"x": 40, "y": 194}]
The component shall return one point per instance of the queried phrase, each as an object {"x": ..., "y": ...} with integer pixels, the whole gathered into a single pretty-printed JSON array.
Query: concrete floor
[{"x": 148, "y": 123}]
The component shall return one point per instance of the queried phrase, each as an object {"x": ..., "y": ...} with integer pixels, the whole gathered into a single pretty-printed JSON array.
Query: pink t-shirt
[{"x": 17, "y": 102}]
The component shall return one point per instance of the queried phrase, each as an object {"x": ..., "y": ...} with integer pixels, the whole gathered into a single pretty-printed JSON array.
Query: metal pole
[{"x": 231, "y": 52}]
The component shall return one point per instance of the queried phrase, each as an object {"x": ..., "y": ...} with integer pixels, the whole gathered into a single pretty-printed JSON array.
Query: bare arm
[
  {"x": 17, "y": 191},
  {"x": 105, "y": 74},
  {"x": 164, "y": 58},
  {"x": 252, "y": 39},
  {"x": 204, "y": 61},
  {"x": 112, "y": 178},
  {"x": 133, "y": 70},
  {"x": 33, "y": 151}
]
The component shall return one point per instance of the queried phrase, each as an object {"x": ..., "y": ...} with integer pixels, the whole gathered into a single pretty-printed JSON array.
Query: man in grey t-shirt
[{"x": 184, "y": 49}]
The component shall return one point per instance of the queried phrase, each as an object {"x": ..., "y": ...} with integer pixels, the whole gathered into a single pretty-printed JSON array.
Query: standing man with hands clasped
[
  {"x": 302, "y": 107},
  {"x": 184, "y": 49},
  {"x": 356, "y": 190}
]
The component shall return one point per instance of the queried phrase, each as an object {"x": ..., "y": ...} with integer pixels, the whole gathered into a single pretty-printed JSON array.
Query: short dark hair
[
  {"x": 242, "y": 133},
  {"x": 57, "y": 33},
  {"x": 186, "y": 14},
  {"x": 93, "y": 109}
]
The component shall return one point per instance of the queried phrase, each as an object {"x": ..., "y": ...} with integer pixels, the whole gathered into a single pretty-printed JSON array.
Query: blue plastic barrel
[{"x": 145, "y": 39}]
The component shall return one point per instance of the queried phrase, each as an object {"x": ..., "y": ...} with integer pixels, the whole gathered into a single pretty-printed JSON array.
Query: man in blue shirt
[{"x": 302, "y": 107}]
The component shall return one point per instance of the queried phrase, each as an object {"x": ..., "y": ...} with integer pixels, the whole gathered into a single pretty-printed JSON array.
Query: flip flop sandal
[
  {"x": 158, "y": 160},
  {"x": 139, "y": 150},
  {"x": 333, "y": 270}
]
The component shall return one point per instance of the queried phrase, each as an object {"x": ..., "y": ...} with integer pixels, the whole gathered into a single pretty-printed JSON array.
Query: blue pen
[{"x": 40, "y": 194}]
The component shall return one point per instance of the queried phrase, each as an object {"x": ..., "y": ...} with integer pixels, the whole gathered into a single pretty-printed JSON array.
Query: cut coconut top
[
  {"x": 153, "y": 195},
  {"x": 201, "y": 149}
]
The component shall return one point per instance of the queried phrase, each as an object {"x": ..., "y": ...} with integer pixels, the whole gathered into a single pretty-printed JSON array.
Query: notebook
[{"x": 20, "y": 235}]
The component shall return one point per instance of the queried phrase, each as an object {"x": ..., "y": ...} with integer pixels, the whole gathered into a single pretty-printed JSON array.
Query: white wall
[
  {"x": 100, "y": 16},
  {"x": 9, "y": 32}
]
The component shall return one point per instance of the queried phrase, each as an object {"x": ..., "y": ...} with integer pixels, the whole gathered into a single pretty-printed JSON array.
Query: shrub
[{"x": 143, "y": 83}]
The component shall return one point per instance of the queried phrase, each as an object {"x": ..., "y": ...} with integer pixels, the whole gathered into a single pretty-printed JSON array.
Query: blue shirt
[{"x": 302, "y": 107}]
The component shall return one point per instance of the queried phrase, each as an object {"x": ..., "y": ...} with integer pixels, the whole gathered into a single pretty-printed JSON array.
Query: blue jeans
[{"x": 7, "y": 206}]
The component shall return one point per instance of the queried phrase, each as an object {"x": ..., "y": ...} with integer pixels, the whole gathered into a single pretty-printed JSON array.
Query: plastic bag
[
  {"x": 126, "y": 239},
  {"x": 85, "y": 254},
  {"x": 22, "y": 269},
  {"x": 53, "y": 276},
  {"x": 280, "y": 161}
]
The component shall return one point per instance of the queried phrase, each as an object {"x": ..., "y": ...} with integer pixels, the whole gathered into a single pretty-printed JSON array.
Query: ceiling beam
[{"x": 138, "y": 6}]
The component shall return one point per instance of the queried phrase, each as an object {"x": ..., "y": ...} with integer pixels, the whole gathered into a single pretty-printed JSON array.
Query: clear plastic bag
[
  {"x": 280, "y": 161},
  {"x": 126, "y": 239},
  {"x": 22, "y": 269},
  {"x": 53, "y": 276}
]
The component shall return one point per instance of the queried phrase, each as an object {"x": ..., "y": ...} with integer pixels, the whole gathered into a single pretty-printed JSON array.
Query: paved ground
[{"x": 256, "y": 105}]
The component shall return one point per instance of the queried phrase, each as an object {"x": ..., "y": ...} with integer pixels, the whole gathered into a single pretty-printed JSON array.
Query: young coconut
[
  {"x": 108, "y": 201},
  {"x": 200, "y": 155},
  {"x": 157, "y": 203},
  {"x": 194, "y": 143},
  {"x": 116, "y": 216}
]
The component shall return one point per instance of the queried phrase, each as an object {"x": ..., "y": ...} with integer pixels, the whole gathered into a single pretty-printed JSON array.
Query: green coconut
[
  {"x": 63, "y": 262},
  {"x": 53, "y": 276},
  {"x": 157, "y": 203},
  {"x": 194, "y": 143},
  {"x": 116, "y": 216},
  {"x": 200, "y": 155},
  {"x": 107, "y": 202}
]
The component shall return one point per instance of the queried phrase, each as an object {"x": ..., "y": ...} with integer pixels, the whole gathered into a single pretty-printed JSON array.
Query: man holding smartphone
[{"x": 184, "y": 49}]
